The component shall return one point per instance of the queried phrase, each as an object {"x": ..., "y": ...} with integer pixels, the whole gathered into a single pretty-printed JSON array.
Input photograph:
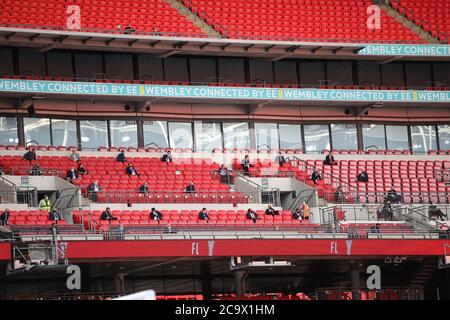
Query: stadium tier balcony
[
  {"x": 155, "y": 17},
  {"x": 305, "y": 20}
]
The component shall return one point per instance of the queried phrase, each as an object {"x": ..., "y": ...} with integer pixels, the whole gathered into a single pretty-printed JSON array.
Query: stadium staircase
[
  {"x": 423, "y": 273},
  {"x": 407, "y": 23},
  {"x": 196, "y": 20}
]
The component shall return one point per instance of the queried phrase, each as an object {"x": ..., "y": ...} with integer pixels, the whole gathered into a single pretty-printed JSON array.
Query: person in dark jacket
[
  {"x": 224, "y": 174},
  {"x": 93, "y": 190},
  {"x": 387, "y": 212},
  {"x": 393, "y": 196},
  {"x": 81, "y": 169},
  {"x": 121, "y": 157},
  {"x": 245, "y": 164},
  {"x": 297, "y": 214},
  {"x": 4, "y": 216},
  {"x": 203, "y": 215},
  {"x": 271, "y": 211},
  {"x": 72, "y": 174},
  {"x": 155, "y": 214},
  {"x": 190, "y": 188},
  {"x": 375, "y": 229},
  {"x": 280, "y": 159},
  {"x": 362, "y": 177},
  {"x": 107, "y": 215},
  {"x": 144, "y": 188},
  {"x": 316, "y": 175},
  {"x": 131, "y": 171},
  {"x": 55, "y": 215},
  {"x": 329, "y": 159},
  {"x": 251, "y": 215},
  {"x": 167, "y": 157},
  {"x": 30, "y": 155}
]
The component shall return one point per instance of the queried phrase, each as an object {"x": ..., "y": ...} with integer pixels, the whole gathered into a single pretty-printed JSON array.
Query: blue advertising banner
[
  {"x": 230, "y": 93},
  {"x": 419, "y": 50}
]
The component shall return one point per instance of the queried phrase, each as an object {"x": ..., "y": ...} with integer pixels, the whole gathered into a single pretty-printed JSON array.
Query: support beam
[
  {"x": 169, "y": 53},
  {"x": 359, "y": 111},
  {"x": 239, "y": 281},
  {"x": 391, "y": 59},
  {"x": 143, "y": 104},
  {"x": 251, "y": 109},
  {"x": 355, "y": 280},
  {"x": 49, "y": 47}
]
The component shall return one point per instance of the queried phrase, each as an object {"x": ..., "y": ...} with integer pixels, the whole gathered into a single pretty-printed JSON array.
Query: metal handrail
[
  {"x": 415, "y": 210},
  {"x": 381, "y": 196},
  {"x": 327, "y": 175},
  {"x": 299, "y": 197},
  {"x": 422, "y": 21}
]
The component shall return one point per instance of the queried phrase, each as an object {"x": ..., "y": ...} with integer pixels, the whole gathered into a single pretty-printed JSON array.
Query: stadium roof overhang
[{"x": 46, "y": 40}]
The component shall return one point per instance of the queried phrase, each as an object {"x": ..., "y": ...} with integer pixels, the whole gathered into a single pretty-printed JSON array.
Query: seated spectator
[
  {"x": 129, "y": 29},
  {"x": 155, "y": 214},
  {"x": 387, "y": 212},
  {"x": 4, "y": 216},
  {"x": 374, "y": 229},
  {"x": 271, "y": 211},
  {"x": 55, "y": 215},
  {"x": 74, "y": 156},
  {"x": 36, "y": 170},
  {"x": 339, "y": 195},
  {"x": 329, "y": 159},
  {"x": 45, "y": 204},
  {"x": 297, "y": 214},
  {"x": 167, "y": 157},
  {"x": 245, "y": 164},
  {"x": 306, "y": 210},
  {"x": 156, "y": 31},
  {"x": 434, "y": 212},
  {"x": 203, "y": 215},
  {"x": 393, "y": 197},
  {"x": 93, "y": 190},
  {"x": 107, "y": 215},
  {"x": 224, "y": 174},
  {"x": 190, "y": 188},
  {"x": 131, "y": 171},
  {"x": 81, "y": 169},
  {"x": 280, "y": 159},
  {"x": 121, "y": 157},
  {"x": 144, "y": 188},
  {"x": 352, "y": 233},
  {"x": 316, "y": 175},
  {"x": 251, "y": 215},
  {"x": 30, "y": 155},
  {"x": 72, "y": 174},
  {"x": 362, "y": 177}
]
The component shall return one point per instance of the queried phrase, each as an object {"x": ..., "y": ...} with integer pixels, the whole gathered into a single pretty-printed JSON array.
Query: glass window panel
[
  {"x": 444, "y": 137},
  {"x": 290, "y": 136},
  {"x": 155, "y": 132},
  {"x": 37, "y": 130},
  {"x": 317, "y": 137},
  {"x": 266, "y": 135},
  {"x": 397, "y": 137},
  {"x": 236, "y": 135},
  {"x": 207, "y": 136},
  {"x": 423, "y": 138},
  {"x": 8, "y": 131},
  {"x": 123, "y": 133},
  {"x": 373, "y": 136},
  {"x": 180, "y": 135},
  {"x": 64, "y": 132},
  {"x": 94, "y": 134},
  {"x": 344, "y": 136}
]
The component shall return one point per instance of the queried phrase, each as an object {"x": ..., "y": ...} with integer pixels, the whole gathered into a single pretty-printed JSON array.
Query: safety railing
[
  {"x": 30, "y": 171},
  {"x": 265, "y": 194},
  {"x": 366, "y": 294},
  {"x": 219, "y": 82},
  {"x": 362, "y": 197},
  {"x": 133, "y": 196},
  {"x": 327, "y": 177}
]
